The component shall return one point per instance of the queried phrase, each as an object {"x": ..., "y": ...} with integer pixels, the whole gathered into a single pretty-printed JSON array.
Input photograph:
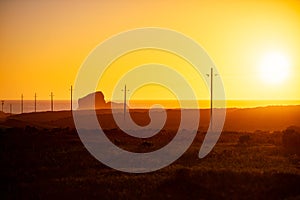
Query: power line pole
[
  {"x": 51, "y": 101},
  {"x": 22, "y": 103},
  {"x": 35, "y": 102},
  {"x": 125, "y": 101},
  {"x": 71, "y": 97},
  {"x": 211, "y": 96},
  {"x": 2, "y": 102}
]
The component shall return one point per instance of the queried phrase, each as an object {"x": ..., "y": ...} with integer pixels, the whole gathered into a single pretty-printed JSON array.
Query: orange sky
[{"x": 43, "y": 43}]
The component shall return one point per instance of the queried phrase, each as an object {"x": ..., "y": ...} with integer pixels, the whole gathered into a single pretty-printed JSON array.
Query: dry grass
[{"x": 52, "y": 163}]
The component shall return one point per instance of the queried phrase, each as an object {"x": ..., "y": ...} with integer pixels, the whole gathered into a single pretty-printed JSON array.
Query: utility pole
[
  {"x": 2, "y": 102},
  {"x": 34, "y": 102},
  {"x": 125, "y": 101},
  {"x": 51, "y": 101},
  {"x": 71, "y": 97},
  {"x": 22, "y": 103},
  {"x": 211, "y": 96}
]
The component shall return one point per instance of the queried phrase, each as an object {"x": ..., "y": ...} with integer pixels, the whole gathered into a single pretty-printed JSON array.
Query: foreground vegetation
[{"x": 53, "y": 163}]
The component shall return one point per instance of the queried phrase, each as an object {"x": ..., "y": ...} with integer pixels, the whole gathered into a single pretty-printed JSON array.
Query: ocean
[
  {"x": 59, "y": 105},
  {"x": 41, "y": 106}
]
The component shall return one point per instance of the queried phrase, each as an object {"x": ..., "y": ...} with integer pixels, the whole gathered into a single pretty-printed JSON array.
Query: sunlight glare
[{"x": 274, "y": 68}]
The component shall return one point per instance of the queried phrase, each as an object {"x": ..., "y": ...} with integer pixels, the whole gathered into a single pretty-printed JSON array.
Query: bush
[
  {"x": 291, "y": 140},
  {"x": 244, "y": 139},
  {"x": 30, "y": 129},
  {"x": 147, "y": 144}
]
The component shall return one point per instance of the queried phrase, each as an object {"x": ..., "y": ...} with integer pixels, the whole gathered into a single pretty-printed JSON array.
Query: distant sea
[
  {"x": 59, "y": 105},
  {"x": 41, "y": 105},
  {"x": 216, "y": 104}
]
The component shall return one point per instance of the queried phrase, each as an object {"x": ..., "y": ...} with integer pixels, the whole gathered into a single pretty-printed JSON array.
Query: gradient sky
[{"x": 43, "y": 43}]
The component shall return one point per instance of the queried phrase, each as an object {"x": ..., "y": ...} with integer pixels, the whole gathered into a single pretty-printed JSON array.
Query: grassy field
[{"x": 48, "y": 163}]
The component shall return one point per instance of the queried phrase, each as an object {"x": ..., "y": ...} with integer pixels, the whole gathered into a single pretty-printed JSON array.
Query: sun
[{"x": 274, "y": 68}]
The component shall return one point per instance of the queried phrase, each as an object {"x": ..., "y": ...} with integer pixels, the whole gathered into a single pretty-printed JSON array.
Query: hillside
[{"x": 272, "y": 118}]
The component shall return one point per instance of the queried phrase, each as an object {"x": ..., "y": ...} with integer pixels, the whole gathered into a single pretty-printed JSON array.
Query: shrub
[
  {"x": 147, "y": 144},
  {"x": 30, "y": 129},
  {"x": 244, "y": 139},
  {"x": 291, "y": 140}
]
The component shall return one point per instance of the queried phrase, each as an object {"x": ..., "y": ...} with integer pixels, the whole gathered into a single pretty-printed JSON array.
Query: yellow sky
[{"x": 43, "y": 43}]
